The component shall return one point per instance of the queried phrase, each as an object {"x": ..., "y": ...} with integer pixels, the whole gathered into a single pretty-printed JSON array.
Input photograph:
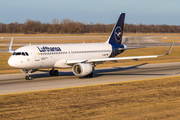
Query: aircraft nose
[{"x": 11, "y": 62}]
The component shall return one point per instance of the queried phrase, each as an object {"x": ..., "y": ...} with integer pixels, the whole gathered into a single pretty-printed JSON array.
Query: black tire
[
  {"x": 51, "y": 73},
  {"x": 56, "y": 72},
  {"x": 26, "y": 77}
]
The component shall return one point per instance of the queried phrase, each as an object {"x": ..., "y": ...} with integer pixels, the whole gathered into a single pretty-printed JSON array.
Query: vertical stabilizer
[{"x": 116, "y": 34}]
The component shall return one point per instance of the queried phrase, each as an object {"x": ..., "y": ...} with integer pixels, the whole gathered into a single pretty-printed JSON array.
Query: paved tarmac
[
  {"x": 14, "y": 83},
  {"x": 150, "y": 41}
]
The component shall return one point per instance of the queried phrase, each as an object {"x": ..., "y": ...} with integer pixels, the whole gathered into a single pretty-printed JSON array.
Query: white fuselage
[{"x": 56, "y": 55}]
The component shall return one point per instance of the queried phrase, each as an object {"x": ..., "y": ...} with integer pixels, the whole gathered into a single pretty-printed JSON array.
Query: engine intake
[{"x": 82, "y": 69}]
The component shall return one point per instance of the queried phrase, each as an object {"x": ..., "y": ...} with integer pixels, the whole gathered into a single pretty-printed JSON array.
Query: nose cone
[
  {"x": 17, "y": 62},
  {"x": 12, "y": 62}
]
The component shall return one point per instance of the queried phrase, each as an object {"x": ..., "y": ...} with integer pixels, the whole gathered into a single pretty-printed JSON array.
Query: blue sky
[{"x": 87, "y": 11}]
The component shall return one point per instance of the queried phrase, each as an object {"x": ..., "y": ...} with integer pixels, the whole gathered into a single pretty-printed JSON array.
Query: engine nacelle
[{"x": 82, "y": 69}]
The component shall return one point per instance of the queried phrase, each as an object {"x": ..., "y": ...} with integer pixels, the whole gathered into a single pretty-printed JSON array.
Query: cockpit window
[
  {"x": 18, "y": 53},
  {"x": 21, "y": 53},
  {"x": 27, "y": 54}
]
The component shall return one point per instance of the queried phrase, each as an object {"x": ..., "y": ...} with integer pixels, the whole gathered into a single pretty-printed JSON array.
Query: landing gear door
[{"x": 37, "y": 54}]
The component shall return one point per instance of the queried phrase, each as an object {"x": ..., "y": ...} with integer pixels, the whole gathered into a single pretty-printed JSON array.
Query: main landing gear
[{"x": 53, "y": 72}]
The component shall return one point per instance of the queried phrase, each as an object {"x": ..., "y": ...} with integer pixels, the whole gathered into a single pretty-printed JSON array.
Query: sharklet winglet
[{"x": 10, "y": 46}]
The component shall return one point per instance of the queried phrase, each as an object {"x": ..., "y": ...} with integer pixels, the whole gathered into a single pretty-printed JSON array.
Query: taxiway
[{"x": 14, "y": 83}]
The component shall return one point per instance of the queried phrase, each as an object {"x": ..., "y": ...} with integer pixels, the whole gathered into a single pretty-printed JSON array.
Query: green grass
[{"x": 150, "y": 99}]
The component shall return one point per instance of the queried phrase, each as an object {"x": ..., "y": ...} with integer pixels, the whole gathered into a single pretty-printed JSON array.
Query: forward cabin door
[{"x": 37, "y": 54}]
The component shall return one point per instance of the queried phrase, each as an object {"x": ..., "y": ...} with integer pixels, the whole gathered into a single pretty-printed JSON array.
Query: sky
[{"x": 91, "y": 11}]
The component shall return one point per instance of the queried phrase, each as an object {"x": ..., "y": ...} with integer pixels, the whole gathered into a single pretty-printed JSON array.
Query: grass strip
[{"x": 148, "y": 99}]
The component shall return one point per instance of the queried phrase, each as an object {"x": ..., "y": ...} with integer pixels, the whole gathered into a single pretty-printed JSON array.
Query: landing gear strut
[
  {"x": 28, "y": 72},
  {"x": 53, "y": 72}
]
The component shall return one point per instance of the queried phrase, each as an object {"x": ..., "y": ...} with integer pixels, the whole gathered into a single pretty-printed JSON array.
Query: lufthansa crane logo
[{"x": 117, "y": 34}]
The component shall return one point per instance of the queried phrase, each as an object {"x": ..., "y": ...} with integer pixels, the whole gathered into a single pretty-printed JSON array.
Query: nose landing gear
[
  {"x": 28, "y": 72},
  {"x": 28, "y": 77}
]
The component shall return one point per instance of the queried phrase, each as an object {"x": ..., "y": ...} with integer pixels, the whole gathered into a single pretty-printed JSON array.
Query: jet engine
[{"x": 82, "y": 69}]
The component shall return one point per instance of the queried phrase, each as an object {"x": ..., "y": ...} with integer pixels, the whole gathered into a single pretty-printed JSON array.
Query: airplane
[{"x": 81, "y": 57}]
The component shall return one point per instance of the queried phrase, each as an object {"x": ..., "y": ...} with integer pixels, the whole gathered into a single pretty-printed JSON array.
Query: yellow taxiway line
[{"x": 136, "y": 41}]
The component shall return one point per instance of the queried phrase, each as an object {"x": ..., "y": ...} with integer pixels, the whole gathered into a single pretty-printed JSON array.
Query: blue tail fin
[{"x": 116, "y": 34}]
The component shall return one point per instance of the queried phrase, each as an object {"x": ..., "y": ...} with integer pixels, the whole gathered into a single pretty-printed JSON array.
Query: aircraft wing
[{"x": 116, "y": 58}]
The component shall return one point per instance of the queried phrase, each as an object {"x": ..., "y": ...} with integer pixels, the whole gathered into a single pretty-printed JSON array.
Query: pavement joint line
[
  {"x": 136, "y": 41},
  {"x": 89, "y": 85}
]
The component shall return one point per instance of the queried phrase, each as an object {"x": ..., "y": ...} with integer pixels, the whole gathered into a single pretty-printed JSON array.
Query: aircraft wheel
[
  {"x": 56, "y": 72},
  {"x": 51, "y": 73},
  {"x": 28, "y": 77}
]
